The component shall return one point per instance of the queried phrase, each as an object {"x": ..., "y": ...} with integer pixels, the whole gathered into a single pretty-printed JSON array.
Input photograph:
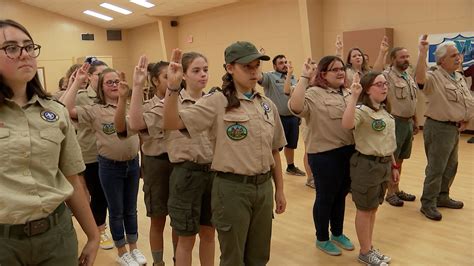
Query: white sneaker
[
  {"x": 138, "y": 256},
  {"x": 126, "y": 260}
]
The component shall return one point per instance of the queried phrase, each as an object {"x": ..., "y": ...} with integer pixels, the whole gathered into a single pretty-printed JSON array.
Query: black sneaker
[
  {"x": 450, "y": 203},
  {"x": 295, "y": 171},
  {"x": 431, "y": 213}
]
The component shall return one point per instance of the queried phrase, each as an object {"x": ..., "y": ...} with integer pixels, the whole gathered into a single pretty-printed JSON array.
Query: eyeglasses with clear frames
[
  {"x": 380, "y": 84},
  {"x": 337, "y": 69},
  {"x": 112, "y": 82},
  {"x": 14, "y": 51}
]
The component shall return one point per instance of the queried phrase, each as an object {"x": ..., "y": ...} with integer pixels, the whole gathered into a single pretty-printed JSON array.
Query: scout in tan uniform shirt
[
  {"x": 329, "y": 147},
  {"x": 402, "y": 95},
  {"x": 374, "y": 135},
  {"x": 355, "y": 61},
  {"x": 87, "y": 141},
  {"x": 449, "y": 109},
  {"x": 156, "y": 165},
  {"x": 118, "y": 158},
  {"x": 189, "y": 203},
  {"x": 248, "y": 134},
  {"x": 40, "y": 161}
]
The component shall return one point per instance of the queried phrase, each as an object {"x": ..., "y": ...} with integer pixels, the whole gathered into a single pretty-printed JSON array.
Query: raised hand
[
  {"x": 356, "y": 88},
  {"x": 140, "y": 72},
  {"x": 339, "y": 44},
  {"x": 124, "y": 89},
  {"x": 81, "y": 74},
  {"x": 308, "y": 68},
  {"x": 175, "y": 70},
  {"x": 384, "y": 45},
  {"x": 423, "y": 45},
  {"x": 290, "y": 68}
]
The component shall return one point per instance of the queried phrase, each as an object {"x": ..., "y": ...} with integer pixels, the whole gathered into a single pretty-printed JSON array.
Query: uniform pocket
[
  {"x": 237, "y": 127},
  {"x": 181, "y": 216},
  {"x": 54, "y": 135},
  {"x": 335, "y": 108},
  {"x": 401, "y": 90},
  {"x": 451, "y": 92},
  {"x": 4, "y": 144}
]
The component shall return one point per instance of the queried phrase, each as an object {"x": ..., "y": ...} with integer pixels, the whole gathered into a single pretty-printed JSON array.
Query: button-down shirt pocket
[
  {"x": 401, "y": 90},
  {"x": 335, "y": 108},
  {"x": 451, "y": 92},
  {"x": 237, "y": 127},
  {"x": 50, "y": 144}
]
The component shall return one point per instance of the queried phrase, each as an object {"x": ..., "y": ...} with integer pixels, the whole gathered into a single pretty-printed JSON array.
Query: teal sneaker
[
  {"x": 328, "y": 247},
  {"x": 342, "y": 241}
]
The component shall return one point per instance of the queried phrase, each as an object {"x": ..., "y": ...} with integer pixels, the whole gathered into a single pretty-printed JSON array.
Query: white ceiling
[{"x": 140, "y": 15}]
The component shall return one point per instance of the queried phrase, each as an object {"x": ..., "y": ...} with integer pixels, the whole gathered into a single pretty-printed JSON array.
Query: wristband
[
  {"x": 305, "y": 77},
  {"x": 396, "y": 166},
  {"x": 174, "y": 90}
]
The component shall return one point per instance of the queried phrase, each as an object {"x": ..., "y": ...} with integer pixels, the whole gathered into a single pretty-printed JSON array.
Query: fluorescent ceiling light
[
  {"x": 116, "y": 8},
  {"x": 97, "y": 15},
  {"x": 143, "y": 3}
]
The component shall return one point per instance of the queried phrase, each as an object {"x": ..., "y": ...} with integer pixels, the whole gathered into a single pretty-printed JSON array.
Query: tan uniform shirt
[
  {"x": 85, "y": 134},
  {"x": 38, "y": 151},
  {"x": 182, "y": 147},
  {"x": 350, "y": 72},
  {"x": 245, "y": 136},
  {"x": 449, "y": 98},
  {"x": 374, "y": 132},
  {"x": 58, "y": 94},
  {"x": 323, "y": 110},
  {"x": 402, "y": 93},
  {"x": 109, "y": 145},
  {"x": 153, "y": 138}
]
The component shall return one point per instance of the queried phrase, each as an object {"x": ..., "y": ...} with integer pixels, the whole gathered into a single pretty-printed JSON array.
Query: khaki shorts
[
  {"x": 369, "y": 177},
  {"x": 189, "y": 203},
  {"x": 156, "y": 177}
]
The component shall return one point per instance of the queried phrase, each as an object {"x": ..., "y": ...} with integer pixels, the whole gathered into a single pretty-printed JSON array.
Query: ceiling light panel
[
  {"x": 116, "y": 8},
  {"x": 97, "y": 15}
]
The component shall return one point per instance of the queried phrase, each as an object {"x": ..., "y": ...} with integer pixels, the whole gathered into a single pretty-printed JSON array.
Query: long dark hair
[
  {"x": 366, "y": 82},
  {"x": 154, "y": 71},
  {"x": 323, "y": 67},
  {"x": 33, "y": 87},
  {"x": 230, "y": 91},
  {"x": 100, "y": 85},
  {"x": 364, "y": 66}
]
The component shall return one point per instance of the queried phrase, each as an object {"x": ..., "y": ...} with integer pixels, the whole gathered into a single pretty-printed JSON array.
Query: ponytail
[{"x": 230, "y": 92}]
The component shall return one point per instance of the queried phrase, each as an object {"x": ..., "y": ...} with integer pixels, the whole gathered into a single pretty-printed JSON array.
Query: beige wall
[
  {"x": 60, "y": 39},
  {"x": 271, "y": 24}
]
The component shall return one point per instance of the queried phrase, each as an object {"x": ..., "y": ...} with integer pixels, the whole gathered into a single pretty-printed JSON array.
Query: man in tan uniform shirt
[{"x": 449, "y": 109}]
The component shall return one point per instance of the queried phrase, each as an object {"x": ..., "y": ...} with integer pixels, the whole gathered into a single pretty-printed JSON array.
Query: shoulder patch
[{"x": 49, "y": 116}]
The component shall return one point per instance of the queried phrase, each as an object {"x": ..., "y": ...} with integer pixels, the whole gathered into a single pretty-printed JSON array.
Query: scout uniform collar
[
  {"x": 339, "y": 91},
  {"x": 399, "y": 73},
  {"x": 455, "y": 77},
  {"x": 241, "y": 96},
  {"x": 91, "y": 93},
  {"x": 185, "y": 97}
]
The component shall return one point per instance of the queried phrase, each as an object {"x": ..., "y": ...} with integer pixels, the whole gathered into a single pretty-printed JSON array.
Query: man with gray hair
[{"x": 449, "y": 109}]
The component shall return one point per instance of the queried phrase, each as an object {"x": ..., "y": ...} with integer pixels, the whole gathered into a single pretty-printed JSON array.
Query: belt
[
  {"x": 246, "y": 179},
  {"x": 195, "y": 166},
  {"x": 163, "y": 156},
  {"x": 384, "y": 159},
  {"x": 403, "y": 118},
  {"x": 451, "y": 123},
  {"x": 33, "y": 228}
]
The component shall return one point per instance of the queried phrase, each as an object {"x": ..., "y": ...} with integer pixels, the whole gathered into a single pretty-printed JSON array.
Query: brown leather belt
[{"x": 384, "y": 159}]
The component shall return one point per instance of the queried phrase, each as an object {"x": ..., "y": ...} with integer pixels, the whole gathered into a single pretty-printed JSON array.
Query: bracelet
[
  {"x": 305, "y": 77},
  {"x": 174, "y": 90},
  {"x": 396, "y": 166}
]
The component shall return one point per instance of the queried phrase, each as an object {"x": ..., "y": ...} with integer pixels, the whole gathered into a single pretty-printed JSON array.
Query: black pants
[
  {"x": 98, "y": 202},
  {"x": 331, "y": 171}
]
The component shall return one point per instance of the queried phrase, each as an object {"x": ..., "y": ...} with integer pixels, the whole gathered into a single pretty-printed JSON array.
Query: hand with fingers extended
[
  {"x": 124, "y": 89},
  {"x": 339, "y": 43},
  {"x": 81, "y": 74},
  {"x": 175, "y": 70},
  {"x": 290, "y": 68},
  {"x": 308, "y": 68},
  {"x": 424, "y": 44},
  {"x": 140, "y": 72},
  {"x": 356, "y": 88},
  {"x": 384, "y": 45}
]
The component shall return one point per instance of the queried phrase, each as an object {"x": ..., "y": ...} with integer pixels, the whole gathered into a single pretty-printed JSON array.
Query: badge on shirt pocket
[
  {"x": 49, "y": 116},
  {"x": 378, "y": 124},
  {"x": 237, "y": 132},
  {"x": 108, "y": 129}
]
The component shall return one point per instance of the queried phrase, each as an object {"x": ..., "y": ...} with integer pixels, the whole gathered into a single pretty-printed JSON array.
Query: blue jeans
[{"x": 120, "y": 180}]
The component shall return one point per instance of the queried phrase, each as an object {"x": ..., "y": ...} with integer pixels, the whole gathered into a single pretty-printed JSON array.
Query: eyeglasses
[
  {"x": 380, "y": 84},
  {"x": 112, "y": 82},
  {"x": 337, "y": 69},
  {"x": 14, "y": 51}
]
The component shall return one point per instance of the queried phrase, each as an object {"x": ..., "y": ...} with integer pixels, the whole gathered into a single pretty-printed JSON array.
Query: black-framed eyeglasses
[
  {"x": 337, "y": 69},
  {"x": 112, "y": 82},
  {"x": 380, "y": 84},
  {"x": 14, "y": 51}
]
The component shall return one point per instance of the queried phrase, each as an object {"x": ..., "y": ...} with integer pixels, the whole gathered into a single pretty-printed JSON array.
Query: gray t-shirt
[{"x": 273, "y": 83}]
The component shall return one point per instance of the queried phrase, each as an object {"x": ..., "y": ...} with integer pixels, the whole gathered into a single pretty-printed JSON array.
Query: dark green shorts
[
  {"x": 404, "y": 135},
  {"x": 369, "y": 181},
  {"x": 189, "y": 203},
  {"x": 156, "y": 177}
]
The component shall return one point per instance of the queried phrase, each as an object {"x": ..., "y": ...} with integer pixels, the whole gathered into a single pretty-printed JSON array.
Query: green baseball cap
[{"x": 243, "y": 53}]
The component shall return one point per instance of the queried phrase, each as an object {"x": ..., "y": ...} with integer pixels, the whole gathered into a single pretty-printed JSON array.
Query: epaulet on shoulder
[
  {"x": 56, "y": 100},
  {"x": 81, "y": 91}
]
